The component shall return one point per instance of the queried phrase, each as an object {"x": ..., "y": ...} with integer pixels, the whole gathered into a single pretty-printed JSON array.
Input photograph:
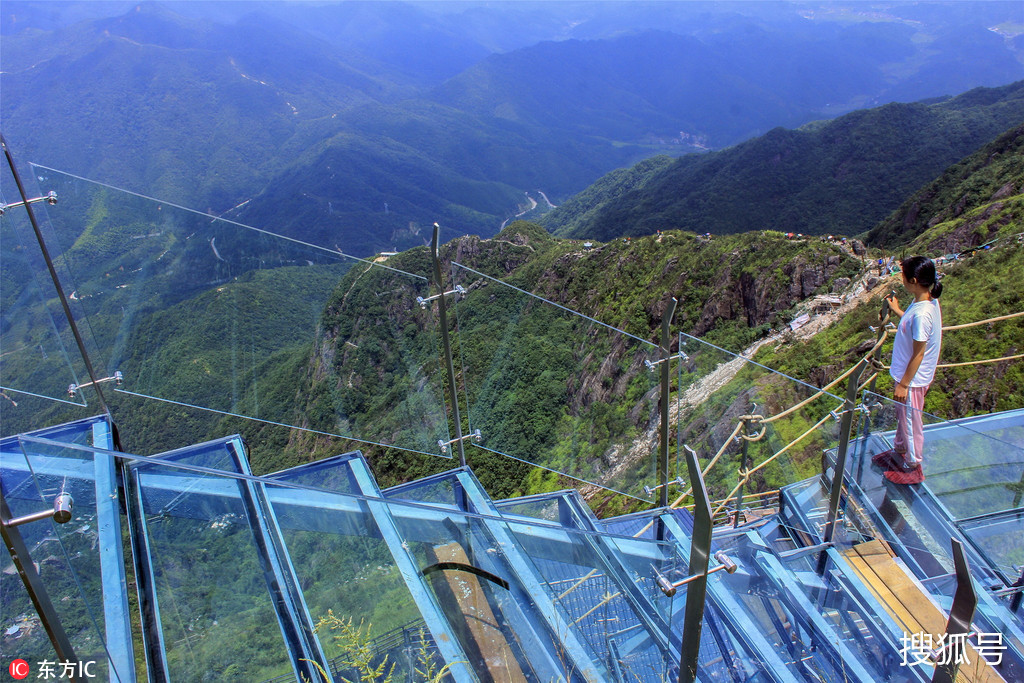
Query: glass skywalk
[
  {"x": 245, "y": 576},
  {"x": 183, "y": 565}
]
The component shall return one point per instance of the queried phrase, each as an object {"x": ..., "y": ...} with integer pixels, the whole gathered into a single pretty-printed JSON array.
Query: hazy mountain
[
  {"x": 184, "y": 110},
  {"x": 840, "y": 176},
  {"x": 393, "y": 115}
]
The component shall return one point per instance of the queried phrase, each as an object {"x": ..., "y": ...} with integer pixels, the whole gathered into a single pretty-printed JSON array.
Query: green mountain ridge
[{"x": 865, "y": 163}]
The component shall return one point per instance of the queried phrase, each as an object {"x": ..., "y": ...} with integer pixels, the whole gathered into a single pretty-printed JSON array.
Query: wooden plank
[
  {"x": 906, "y": 603},
  {"x": 474, "y": 619}
]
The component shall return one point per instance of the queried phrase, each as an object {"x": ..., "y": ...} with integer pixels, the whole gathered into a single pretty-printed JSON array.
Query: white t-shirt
[{"x": 922, "y": 321}]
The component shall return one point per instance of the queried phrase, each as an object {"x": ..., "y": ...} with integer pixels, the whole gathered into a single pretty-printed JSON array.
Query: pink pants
[{"x": 909, "y": 420}]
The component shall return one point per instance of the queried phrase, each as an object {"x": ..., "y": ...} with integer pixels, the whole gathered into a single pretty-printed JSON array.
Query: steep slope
[
  {"x": 979, "y": 285},
  {"x": 991, "y": 174},
  {"x": 841, "y": 176},
  {"x": 728, "y": 291}
]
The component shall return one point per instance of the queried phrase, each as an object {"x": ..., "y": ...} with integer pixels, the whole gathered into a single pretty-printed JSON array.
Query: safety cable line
[
  {"x": 317, "y": 247},
  {"x": 745, "y": 474},
  {"x": 980, "y": 362},
  {"x": 828, "y": 386},
  {"x": 971, "y": 362}
]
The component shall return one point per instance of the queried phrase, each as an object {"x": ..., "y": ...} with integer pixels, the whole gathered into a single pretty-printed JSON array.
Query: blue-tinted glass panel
[
  {"x": 556, "y": 389},
  {"x": 349, "y": 576},
  {"x": 716, "y": 388},
  {"x": 972, "y": 468},
  {"x": 214, "y": 608},
  {"x": 1001, "y": 540},
  {"x": 79, "y": 562}
]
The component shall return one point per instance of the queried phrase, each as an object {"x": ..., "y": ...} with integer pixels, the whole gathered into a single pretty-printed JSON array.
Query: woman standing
[{"x": 915, "y": 355}]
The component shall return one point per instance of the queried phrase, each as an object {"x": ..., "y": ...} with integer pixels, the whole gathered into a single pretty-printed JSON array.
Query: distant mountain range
[
  {"x": 841, "y": 176},
  {"x": 360, "y": 124}
]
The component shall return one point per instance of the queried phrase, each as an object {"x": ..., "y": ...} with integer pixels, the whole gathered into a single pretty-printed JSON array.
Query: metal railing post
[
  {"x": 744, "y": 463},
  {"x": 696, "y": 590},
  {"x": 93, "y": 377},
  {"x": 961, "y": 613},
  {"x": 845, "y": 427},
  {"x": 34, "y": 586},
  {"x": 666, "y": 350},
  {"x": 442, "y": 311}
]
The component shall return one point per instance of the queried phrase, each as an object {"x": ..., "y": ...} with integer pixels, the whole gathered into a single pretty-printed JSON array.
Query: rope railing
[
  {"x": 982, "y": 322},
  {"x": 980, "y": 362},
  {"x": 821, "y": 392},
  {"x": 745, "y": 474}
]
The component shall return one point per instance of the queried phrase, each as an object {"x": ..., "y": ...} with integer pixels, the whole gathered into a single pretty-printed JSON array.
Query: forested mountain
[
  {"x": 968, "y": 200},
  {"x": 356, "y": 124},
  {"x": 840, "y": 176},
  {"x": 544, "y": 384}
]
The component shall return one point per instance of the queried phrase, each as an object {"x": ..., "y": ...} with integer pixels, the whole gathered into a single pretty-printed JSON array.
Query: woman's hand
[
  {"x": 894, "y": 305},
  {"x": 900, "y": 392}
]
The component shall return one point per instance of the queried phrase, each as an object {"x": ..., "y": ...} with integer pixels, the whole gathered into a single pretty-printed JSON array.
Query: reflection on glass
[
  {"x": 795, "y": 424},
  {"x": 195, "y": 309},
  {"x": 556, "y": 389},
  {"x": 34, "y": 357},
  {"x": 973, "y": 471}
]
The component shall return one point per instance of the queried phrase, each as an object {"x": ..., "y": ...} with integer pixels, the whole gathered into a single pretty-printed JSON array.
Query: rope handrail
[
  {"x": 980, "y": 362},
  {"x": 982, "y": 322},
  {"x": 971, "y": 362},
  {"x": 745, "y": 474},
  {"x": 828, "y": 386}
]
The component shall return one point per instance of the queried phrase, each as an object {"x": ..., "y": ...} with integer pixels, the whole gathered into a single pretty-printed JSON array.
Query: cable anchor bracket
[
  {"x": 50, "y": 198},
  {"x": 476, "y": 436},
  {"x": 117, "y": 378},
  {"x": 459, "y": 289}
]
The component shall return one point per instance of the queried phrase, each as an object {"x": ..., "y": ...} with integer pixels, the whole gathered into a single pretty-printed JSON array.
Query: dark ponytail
[{"x": 921, "y": 270}]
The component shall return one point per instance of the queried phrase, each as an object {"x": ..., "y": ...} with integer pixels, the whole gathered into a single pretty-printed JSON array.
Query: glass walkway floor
[{"x": 186, "y": 567}]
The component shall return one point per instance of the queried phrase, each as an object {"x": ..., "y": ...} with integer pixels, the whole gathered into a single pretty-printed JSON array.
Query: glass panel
[
  {"x": 1001, "y": 540},
  {"x": 797, "y": 423},
  {"x": 969, "y": 472},
  {"x": 556, "y": 389},
  {"x": 813, "y": 622},
  {"x": 34, "y": 353},
  {"x": 198, "y": 310},
  {"x": 79, "y": 562},
  {"x": 208, "y": 575},
  {"x": 349, "y": 576},
  {"x": 972, "y": 467}
]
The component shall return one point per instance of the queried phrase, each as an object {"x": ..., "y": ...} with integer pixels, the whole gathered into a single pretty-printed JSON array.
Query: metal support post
[
  {"x": 883, "y": 320},
  {"x": 876, "y": 364},
  {"x": 961, "y": 613},
  {"x": 696, "y": 590},
  {"x": 666, "y": 352},
  {"x": 442, "y": 311},
  {"x": 744, "y": 463},
  {"x": 33, "y": 584},
  {"x": 845, "y": 427}
]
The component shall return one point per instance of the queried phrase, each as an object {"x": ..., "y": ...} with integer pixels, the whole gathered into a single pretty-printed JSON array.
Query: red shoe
[{"x": 905, "y": 474}]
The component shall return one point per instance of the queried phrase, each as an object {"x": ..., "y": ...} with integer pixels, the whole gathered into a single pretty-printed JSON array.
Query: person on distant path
[{"x": 915, "y": 356}]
